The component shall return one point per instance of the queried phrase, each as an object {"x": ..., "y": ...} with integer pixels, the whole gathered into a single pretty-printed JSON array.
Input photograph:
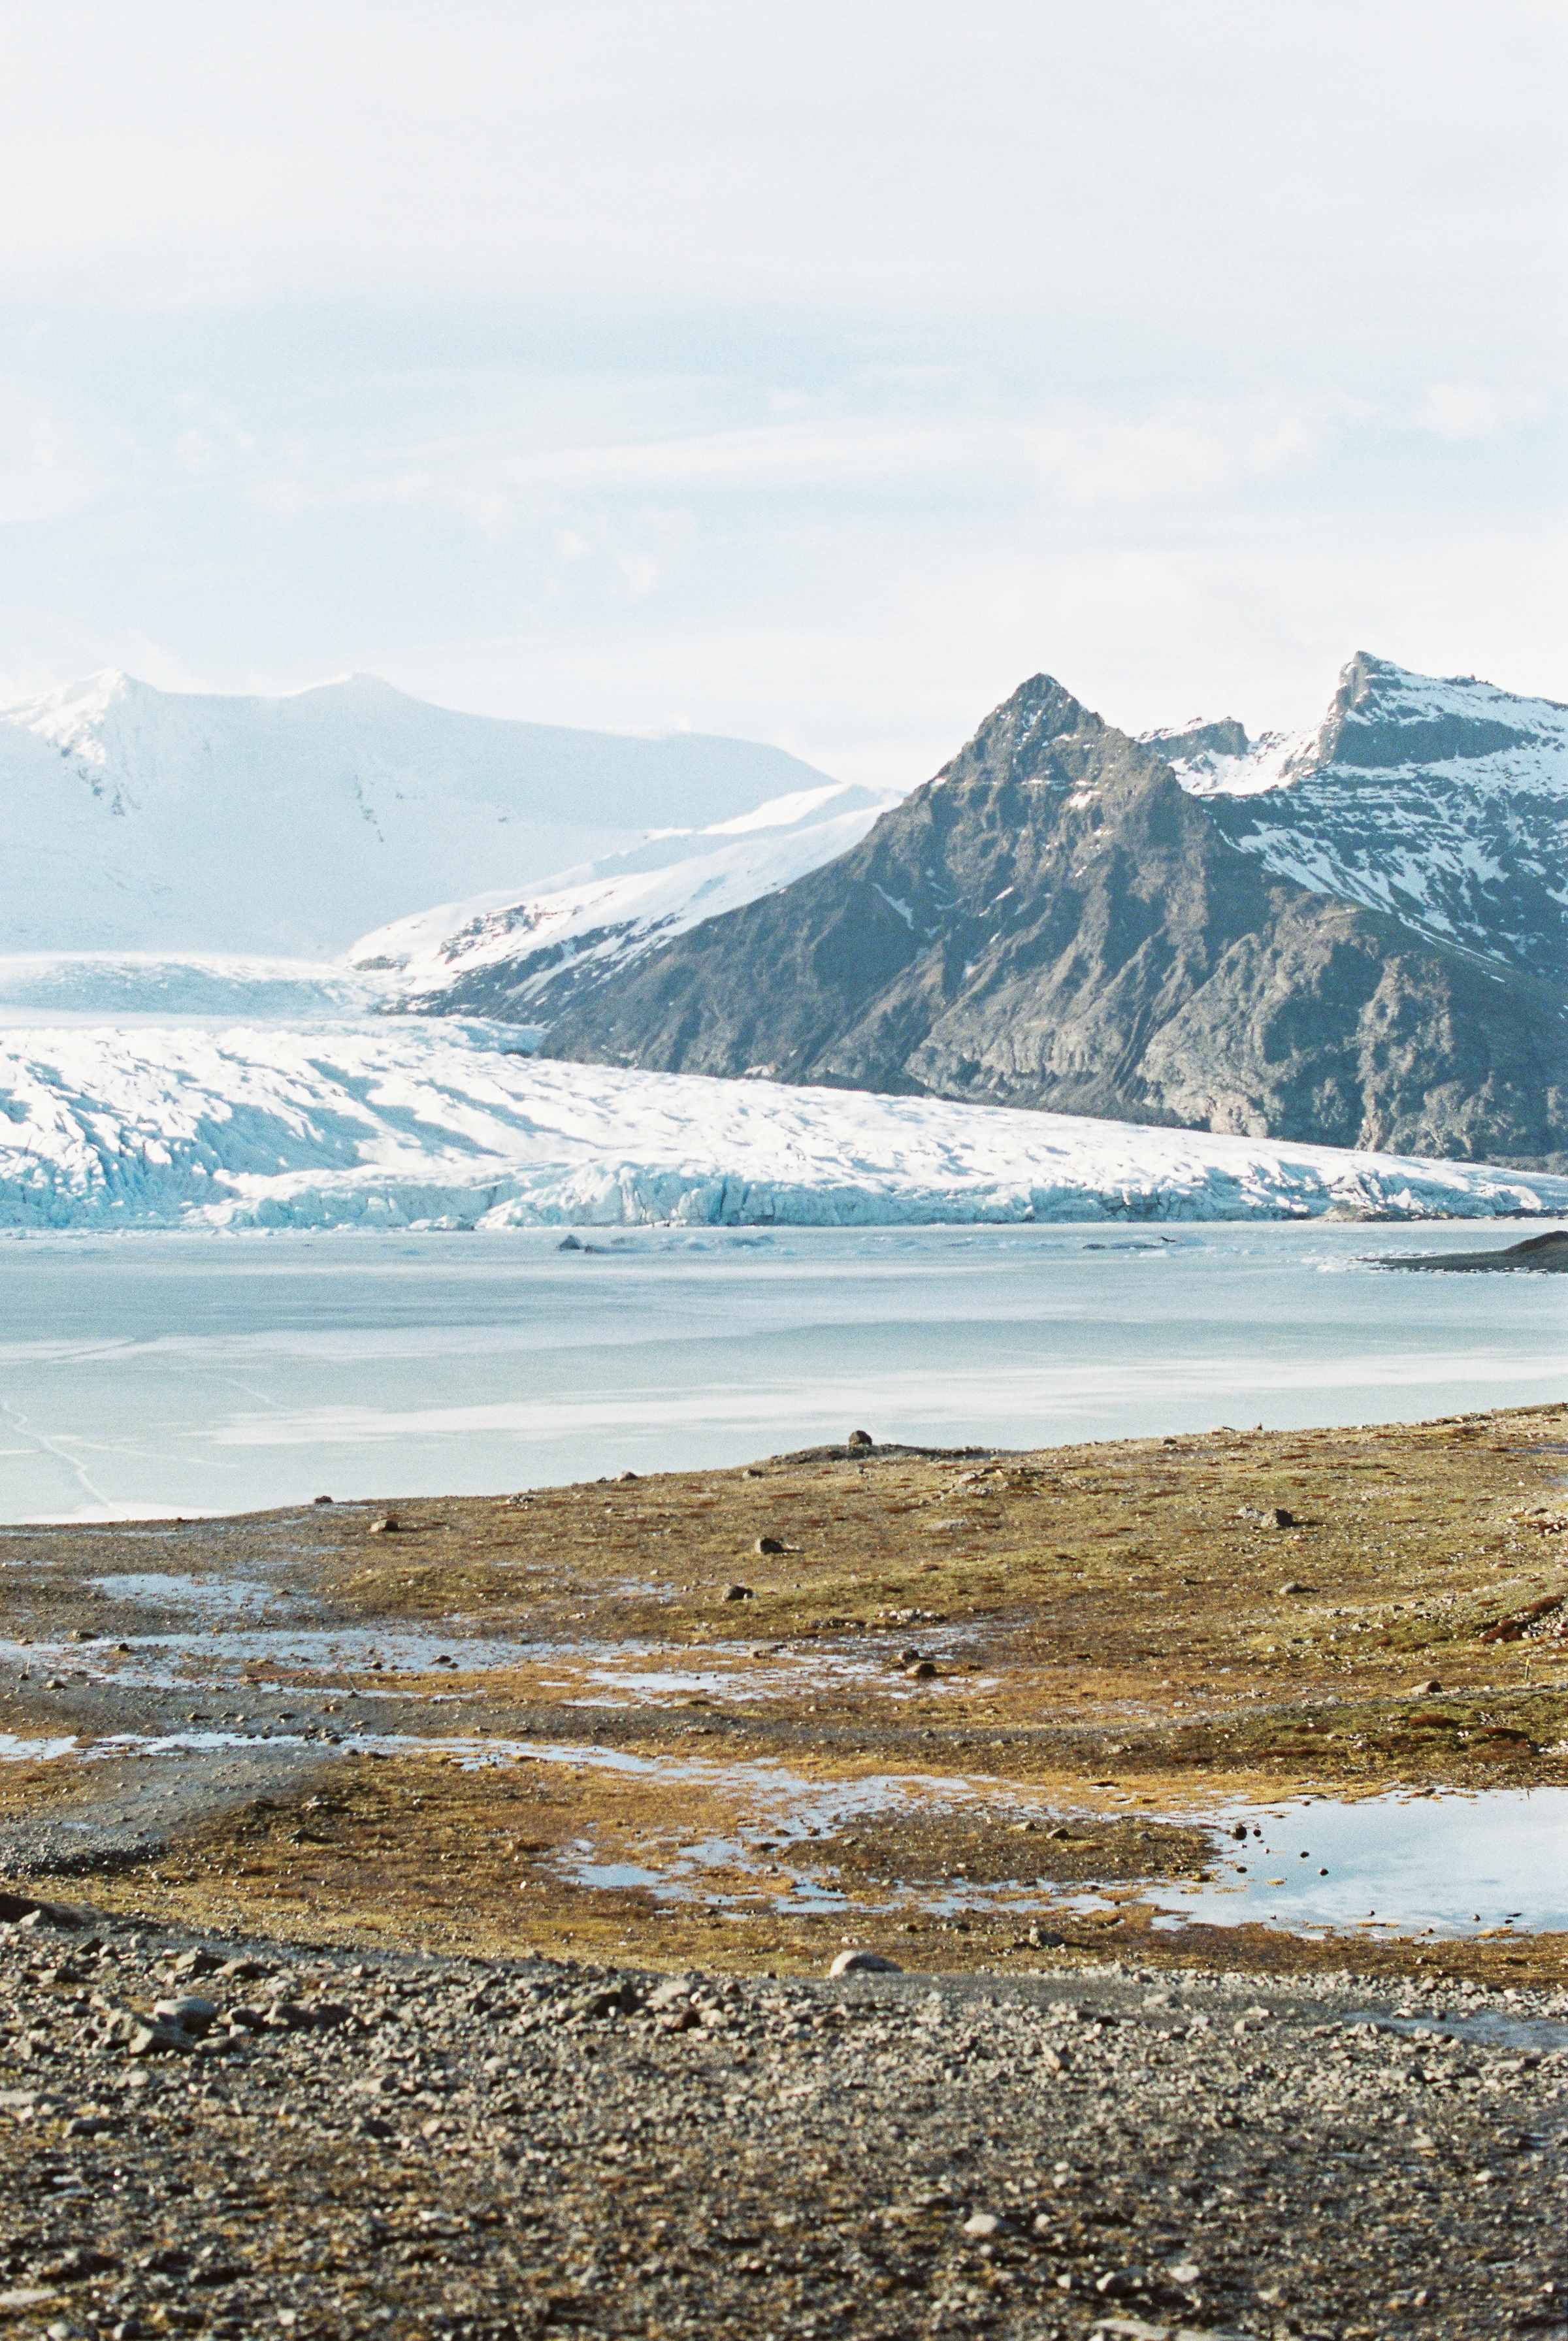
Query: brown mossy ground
[{"x": 1119, "y": 1632}]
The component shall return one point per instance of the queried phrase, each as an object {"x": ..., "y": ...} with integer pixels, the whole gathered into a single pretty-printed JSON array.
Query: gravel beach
[{"x": 238, "y": 2139}]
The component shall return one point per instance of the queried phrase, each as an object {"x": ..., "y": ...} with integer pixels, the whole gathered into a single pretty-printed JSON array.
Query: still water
[{"x": 145, "y": 1376}]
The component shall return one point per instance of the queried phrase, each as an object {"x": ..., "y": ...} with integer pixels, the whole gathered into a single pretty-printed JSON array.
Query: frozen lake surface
[{"x": 173, "y": 1373}]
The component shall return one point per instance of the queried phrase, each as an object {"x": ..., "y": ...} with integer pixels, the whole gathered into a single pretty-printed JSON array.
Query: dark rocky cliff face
[
  {"x": 1053, "y": 921},
  {"x": 1442, "y": 802}
]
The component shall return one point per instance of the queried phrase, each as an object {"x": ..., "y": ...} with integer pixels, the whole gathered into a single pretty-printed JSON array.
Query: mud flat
[{"x": 1187, "y": 1783}]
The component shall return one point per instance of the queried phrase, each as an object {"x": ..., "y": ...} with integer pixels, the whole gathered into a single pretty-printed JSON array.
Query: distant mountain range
[
  {"x": 142, "y": 821},
  {"x": 1355, "y": 939}
]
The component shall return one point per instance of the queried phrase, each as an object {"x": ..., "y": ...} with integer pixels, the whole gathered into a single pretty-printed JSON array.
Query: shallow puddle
[
  {"x": 598, "y": 1674},
  {"x": 738, "y": 1835},
  {"x": 209, "y": 1598},
  {"x": 1441, "y": 1865}
]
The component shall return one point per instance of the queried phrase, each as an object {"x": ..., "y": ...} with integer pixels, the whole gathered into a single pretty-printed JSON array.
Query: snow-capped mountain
[
  {"x": 140, "y": 821},
  {"x": 526, "y": 959},
  {"x": 435, "y": 1122},
  {"x": 1444, "y": 802},
  {"x": 1053, "y": 921}
]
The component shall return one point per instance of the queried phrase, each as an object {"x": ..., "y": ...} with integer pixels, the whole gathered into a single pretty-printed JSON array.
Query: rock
[
  {"x": 623, "y": 1477},
  {"x": 923, "y": 1669},
  {"x": 1425, "y": 1690},
  {"x": 198, "y": 1962},
  {"x": 1281, "y": 1518},
  {"x": 158, "y": 2039},
  {"x": 860, "y": 1438},
  {"x": 739, "y": 1593},
  {"x": 80, "y": 2262},
  {"x": 81, "y": 1634},
  {"x": 863, "y": 1963},
  {"x": 1117, "y": 2284},
  {"x": 323, "y": 1500},
  {"x": 1239, "y": 1830},
  {"x": 1294, "y": 1585},
  {"x": 1042, "y": 1938},
  {"x": 981, "y": 2223},
  {"x": 674, "y": 1991},
  {"x": 768, "y": 1544},
  {"x": 387, "y": 1526},
  {"x": 191, "y": 2012}
]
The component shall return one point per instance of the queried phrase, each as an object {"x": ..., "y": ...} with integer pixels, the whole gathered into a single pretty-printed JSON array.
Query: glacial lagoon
[{"x": 146, "y": 1376}]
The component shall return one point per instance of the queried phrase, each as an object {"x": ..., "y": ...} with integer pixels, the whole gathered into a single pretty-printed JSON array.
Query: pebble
[
  {"x": 438, "y": 2160},
  {"x": 768, "y": 1544},
  {"x": 739, "y": 1593}
]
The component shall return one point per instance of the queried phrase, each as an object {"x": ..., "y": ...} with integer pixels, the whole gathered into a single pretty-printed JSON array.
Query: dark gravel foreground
[{"x": 399, "y": 2144}]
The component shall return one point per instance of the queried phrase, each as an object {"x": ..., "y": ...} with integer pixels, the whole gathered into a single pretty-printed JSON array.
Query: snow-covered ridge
[
  {"x": 404, "y": 1124},
  {"x": 497, "y": 955},
  {"x": 138, "y": 820},
  {"x": 1443, "y": 803}
]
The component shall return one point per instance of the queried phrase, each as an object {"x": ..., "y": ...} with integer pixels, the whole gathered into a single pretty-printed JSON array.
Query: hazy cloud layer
[{"x": 812, "y": 373}]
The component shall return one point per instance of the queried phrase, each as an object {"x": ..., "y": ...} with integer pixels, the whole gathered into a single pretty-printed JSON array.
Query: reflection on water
[{"x": 1444, "y": 1864}]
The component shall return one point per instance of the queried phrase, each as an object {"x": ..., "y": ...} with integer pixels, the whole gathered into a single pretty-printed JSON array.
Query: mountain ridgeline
[{"x": 1056, "y": 920}]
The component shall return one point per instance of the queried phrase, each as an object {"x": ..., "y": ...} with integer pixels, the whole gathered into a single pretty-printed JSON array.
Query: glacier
[{"x": 403, "y": 1122}]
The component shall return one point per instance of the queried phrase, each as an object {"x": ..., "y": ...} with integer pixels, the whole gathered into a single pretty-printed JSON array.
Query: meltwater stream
[{"x": 193, "y": 1374}]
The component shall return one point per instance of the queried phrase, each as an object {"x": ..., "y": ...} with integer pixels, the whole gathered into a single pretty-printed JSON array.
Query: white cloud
[
  {"x": 811, "y": 373},
  {"x": 46, "y": 472},
  {"x": 1475, "y": 410}
]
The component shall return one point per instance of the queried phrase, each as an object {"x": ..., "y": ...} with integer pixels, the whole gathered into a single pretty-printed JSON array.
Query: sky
[{"x": 811, "y": 372}]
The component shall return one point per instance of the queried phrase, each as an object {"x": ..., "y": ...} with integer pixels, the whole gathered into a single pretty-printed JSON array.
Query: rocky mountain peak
[
  {"x": 1028, "y": 736},
  {"x": 1441, "y": 799},
  {"x": 1223, "y": 737},
  {"x": 1055, "y": 921},
  {"x": 1382, "y": 718}
]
